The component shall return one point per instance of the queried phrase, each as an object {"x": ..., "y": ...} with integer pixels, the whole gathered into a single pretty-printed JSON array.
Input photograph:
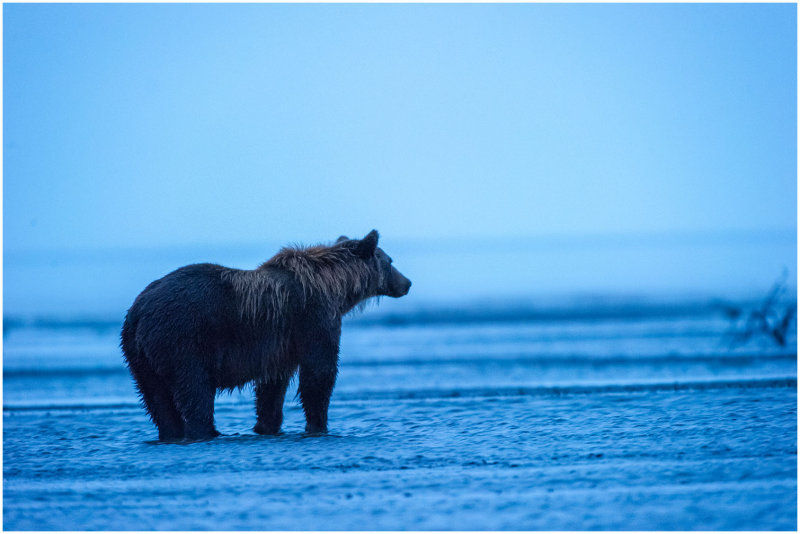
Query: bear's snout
[
  {"x": 407, "y": 287},
  {"x": 399, "y": 284}
]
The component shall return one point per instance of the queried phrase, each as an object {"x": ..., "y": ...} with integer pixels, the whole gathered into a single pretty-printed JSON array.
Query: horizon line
[{"x": 668, "y": 237}]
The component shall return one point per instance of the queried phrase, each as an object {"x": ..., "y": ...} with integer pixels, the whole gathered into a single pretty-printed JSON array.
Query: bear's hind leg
[
  {"x": 269, "y": 405},
  {"x": 194, "y": 398},
  {"x": 157, "y": 400}
]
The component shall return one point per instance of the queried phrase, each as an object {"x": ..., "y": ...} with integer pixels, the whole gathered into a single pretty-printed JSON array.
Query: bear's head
[{"x": 388, "y": 280}]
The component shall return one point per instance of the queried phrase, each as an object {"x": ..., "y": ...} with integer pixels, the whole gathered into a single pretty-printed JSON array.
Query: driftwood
[{"x": 772, "y": 318}]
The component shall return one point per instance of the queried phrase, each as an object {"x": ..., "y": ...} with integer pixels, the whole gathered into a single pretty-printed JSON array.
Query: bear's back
[{"x": 190, "y": 289}]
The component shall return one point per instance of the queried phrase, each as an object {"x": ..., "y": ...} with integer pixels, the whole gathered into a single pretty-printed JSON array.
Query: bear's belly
[{"x": 236, "y": 368}]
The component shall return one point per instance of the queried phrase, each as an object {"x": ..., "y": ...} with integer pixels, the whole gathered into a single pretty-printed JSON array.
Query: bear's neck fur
[{"x": 329, "y": 275}]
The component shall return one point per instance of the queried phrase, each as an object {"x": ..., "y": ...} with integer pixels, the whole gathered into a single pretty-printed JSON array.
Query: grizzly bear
[{"x": 205, "y": 327}]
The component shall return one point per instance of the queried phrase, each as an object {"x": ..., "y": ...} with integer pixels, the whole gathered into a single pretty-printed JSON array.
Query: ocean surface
[{"x": 590, "y": 414}]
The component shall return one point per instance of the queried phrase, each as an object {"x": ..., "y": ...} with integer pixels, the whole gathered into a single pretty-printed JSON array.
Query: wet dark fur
[{"x": 205, "y": 327}]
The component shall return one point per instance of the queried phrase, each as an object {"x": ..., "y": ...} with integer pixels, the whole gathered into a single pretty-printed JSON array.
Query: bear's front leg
[
  {"x": 269, "y": 405},
  {"x": 318, "y": 367},
  {"x": 316, "y": 386}
]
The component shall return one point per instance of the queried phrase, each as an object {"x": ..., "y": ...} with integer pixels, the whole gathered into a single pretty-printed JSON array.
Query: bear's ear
[
  {"x": 366, "y": 247},
  {"x": 342, "y": 238}
]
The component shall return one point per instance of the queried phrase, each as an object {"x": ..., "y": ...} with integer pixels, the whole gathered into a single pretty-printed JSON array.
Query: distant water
[
  {"x": 103, "y": 283},
  {"x": 583, "y": 414}
]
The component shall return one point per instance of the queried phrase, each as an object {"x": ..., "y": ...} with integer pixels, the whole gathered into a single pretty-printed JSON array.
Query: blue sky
[{"x": 140, "y": 125}]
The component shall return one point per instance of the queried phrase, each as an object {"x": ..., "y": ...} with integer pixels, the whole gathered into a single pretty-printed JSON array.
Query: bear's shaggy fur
[{"x": 205, "y": 327}]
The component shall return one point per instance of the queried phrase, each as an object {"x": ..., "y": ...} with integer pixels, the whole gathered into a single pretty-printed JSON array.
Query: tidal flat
[{"x": 647, "y": 419}]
